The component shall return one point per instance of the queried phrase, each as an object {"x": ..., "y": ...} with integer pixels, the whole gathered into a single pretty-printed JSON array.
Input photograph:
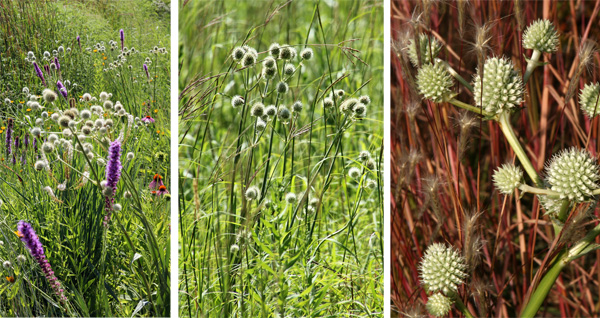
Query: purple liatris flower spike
[
  {"x": 9, "y": 129},
  {"x": 39, "y": 73},
  {"x": 113, "y": 174},
  {"x": 62, "y": 89},
  {"x": 146, "y": 70},
  {"x": 57, "y": 64},
  {"x": 122, "y": 33},
  {"x": 79, "y": 41},
  {"x": 36, "y": 249},
  {"x": 47, "y": 69}
]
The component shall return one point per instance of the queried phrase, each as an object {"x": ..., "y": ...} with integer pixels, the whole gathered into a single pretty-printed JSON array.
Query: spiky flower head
[
  {"x": 588, "y": 100},
  {"x": 507, "y": 178},
  {"x": 541, "y": 35},
  {"x": 574, "y": 174},
  {"x": 274, "y": 49},
  {"x": 290, "y": 198},
  {"x": 257, "y": 110},
  {"x": 237, "y": 101},
  {"x": 252, "y": 193},
  {"x": 442, "y": 269},
  {"x": 439, "y": 305},
  {"x": 434, "y": 82},
  {"x": 238, "y": 53},
  {"x": 428, "y": 50},
  {"x": 282, "y": 87},
  {"x": 306, "y": 54},
  {"x": 502, "y": 86}
]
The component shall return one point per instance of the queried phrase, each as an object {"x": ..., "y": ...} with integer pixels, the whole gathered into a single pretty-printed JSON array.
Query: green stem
[
  {"x": 466, "y": 106},
  {"x": 509, "y": 133},
  {"x": 532, "y": 64},
  {"x": 533, "y": 190},
  {"x": 461, "y": 306},
  {"x": 455, "y": 74},
  {"x": 543, "y": 288}
]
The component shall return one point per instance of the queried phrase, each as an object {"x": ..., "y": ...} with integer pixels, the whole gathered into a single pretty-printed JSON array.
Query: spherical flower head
[
  {"x": 282, "y": 87},
  {"x": 371, "y": 184},
  {"x": 424, "y": 48},
  {"x": 286, "y": 52},
  {"x": 354, "y": 173},
  {"x": 289, "y": 69},
  {"x": 252, "y": 193},
  {"x": 284, "y": 114},
  {"x": 574, "y": 174},
  {"x": 364, "y": 155},
  {"x": 274, "y": 49},
  {"x": 271, "y": 111},
  {"x": 238, "y": 53},
  {"x": 297, "y": 106},
  {"x": 269, "y": 72},
  {"x": 257, "y": 110},
  {"x": 434, "y": 82},
  {"x": 64, "y": 121},
  {"x": 542, "y": 36},
  {"x": 502, "y": 86},
  {"x": 47, "y": 147},
  {"x": 442, "y": 269},
  {"x": 360, "y": 110},
  {"x": 248, "y": 59},
  {"x": 237, "y": 101},
  {"x": 507, "y": 178},
  {"x": 365, "y": 100},
  {"x": 588, "y": 100},
  {"x": 290, "y": 198},
  {"x": 306, "y": 54},
  {"x": 49, "y": 95},
  {"x": 260, "y": 124},
  {"x": 328, "y": 102},
  {"x": 439, "y": 305},
  {"x": 6, "y": 264},
  {"x": 39, "y": 165}
]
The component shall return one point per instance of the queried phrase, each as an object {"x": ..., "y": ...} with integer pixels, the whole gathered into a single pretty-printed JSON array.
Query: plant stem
[
  {"x": 466, "y": 106},
  {"x": 534, "y": 190},
  {"x": 461, "y": 306},
  {"x": 509, "y": 133},
  {"x": 543, "y": 288},
  {"x": 532, "y": 64}
]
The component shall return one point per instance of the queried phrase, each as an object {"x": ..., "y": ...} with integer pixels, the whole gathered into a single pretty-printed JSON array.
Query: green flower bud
[
  {"x": 434, "y": 82},
  {"x": 290, "y": 198},
  {"x": 502, "y": 86},
  {"x": 573, "y": 173},
  {"x": 424, "y": 48},
  {"x": 588, "y": 100},
  {"x": 439, "y": 305},
  {"x": 257, "y": 110},
  {"x": 442, "y": 269},
  {"x": 507, "y": 178},
  {"x": 252, "y": 193},
  {"x": 306, "y": 54},
  {"x": 541, "y": 36},
  {"x": 282, "y": 87}
]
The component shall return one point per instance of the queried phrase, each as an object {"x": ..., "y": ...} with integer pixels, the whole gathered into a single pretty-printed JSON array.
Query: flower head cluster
[
  {"x": 574, "y": 174},
  {"x": 588, "y": 100},
  {"x": 541, "y": 36},
  {"x": 429, "y": 47},
  {"x": 434, "y": 82},
  {"x": 502, "y": 87},
  {"x": 442, "y": 269},
  {"x": 113, "y": 174},
  {"x": 439, "y": 305},
  {"x": 507, "y": 178},
  {"x": 36, "y": 249}
]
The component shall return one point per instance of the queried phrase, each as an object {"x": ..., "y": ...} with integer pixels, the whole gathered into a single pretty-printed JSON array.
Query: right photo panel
[
  {"x": 281, "y": 170},
  {"x": 494, "y": 158}
]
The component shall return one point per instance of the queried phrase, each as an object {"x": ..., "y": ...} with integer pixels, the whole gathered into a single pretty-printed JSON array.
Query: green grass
[
  {"x": 117, "y": 270},
  {"x": 322, "y": 255}
]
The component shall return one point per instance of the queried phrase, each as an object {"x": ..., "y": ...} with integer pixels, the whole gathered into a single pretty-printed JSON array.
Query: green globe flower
[
  {"x": 502, "y": 87},
  {"x": 439, "y": 305},
  {"x": 442, "y": 269},
  {"x": 507, "y": 178},
  {"x": 424, "y": 48},
  {"x": 588, "y": 100},
  {"x": 434, "y": 82},
  {"x": 574, "y": 174},
  {"x": 541, "y": 36}
]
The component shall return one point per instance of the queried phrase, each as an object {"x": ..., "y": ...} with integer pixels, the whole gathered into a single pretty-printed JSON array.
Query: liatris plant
[
  {"x": 8, "y": 140},
  {"x": 122, "y": 36},
  {"x": 39, "y": 73},
  {"x": 36, "y": 249},
  {"x": 113, "y": 174},
  {"x": 533, "y": 170}
]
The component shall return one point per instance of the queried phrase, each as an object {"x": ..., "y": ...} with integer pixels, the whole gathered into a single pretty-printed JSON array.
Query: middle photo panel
[{"x": 281, "y": 168}]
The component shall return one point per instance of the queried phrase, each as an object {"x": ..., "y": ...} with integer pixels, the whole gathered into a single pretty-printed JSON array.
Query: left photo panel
[{"x": 84, "y": 158}]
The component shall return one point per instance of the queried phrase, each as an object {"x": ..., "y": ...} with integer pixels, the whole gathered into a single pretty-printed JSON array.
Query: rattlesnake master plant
[
  {"x": 427, "y": 49},
  {"x": 439, "y": 305},
  {"x": 507, "y": 178},
  {"x": 502, "y": 87},
  {"x": 435, "y": 82},
  {"x": 442, "y": 269},
  {"x": 588, "y": 100},
  {"x": 541, "y": 36},
  {"x": 573, "y": 173}
]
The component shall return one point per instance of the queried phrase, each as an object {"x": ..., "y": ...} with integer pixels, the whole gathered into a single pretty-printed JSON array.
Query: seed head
[
  {"x": 274, "y": 49},
  {"x": 541, "y": 36},
  {"x": 289, "y": 69},
  {"x": 282, "y": 87},
  {"x": 39, "y": 165},
  {"x": 507, "y": 178},
  {"x": 588, "y": 100},
  {"x": 271, "y": 111},
  {"x": 574, "y": 174},
  {"x": 237, "y": 101},
  {"x": 439, "y": 305},
  {"x": 354, "y": 173},
  {"x": 290, "y": 198},
  {"x": 269, "y": 62},
  {"x": 365, "y": 100},
  {"x": 238, "y": 53},
  {"x": 306, "y": 54},
  {"x": 434, "y": 82},
  {"x": 257, "y": 110},
  {"x": 284, "y": 114},
  {"x": 327, "y": 102},
  {"x": 248, "y": 59},
  {"x": 502, "y": 88},
  {"x": 442, "y": 269},
  {"x": 425, "y": 48},
  {"x": 360, "y": 110},
  {"x": 252, "y": 193},
  {"x": 297, "y": 106},
  {"x": 49, "y": 95}
]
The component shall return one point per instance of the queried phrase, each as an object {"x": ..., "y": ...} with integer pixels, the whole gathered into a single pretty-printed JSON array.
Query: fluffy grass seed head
[
  {"x": 442, "y": 269},
  {"x": 502, "y": 88},
  {"x": 574, "y": 174},
  {"x": 588, "y": 100},
  {"x": 252, "y": 193},
  {"x": 542, "y": 36},
  {"x": 434, "y": 82},
  {"x": 424, "y": 48},
  {"x": 306, "y": 54},
  {"x": 237, "y": 101},
  {"x": 439, "y": 305},
  {"x": 290, "y": 198},
  {"x": 507, "y": 178}
]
